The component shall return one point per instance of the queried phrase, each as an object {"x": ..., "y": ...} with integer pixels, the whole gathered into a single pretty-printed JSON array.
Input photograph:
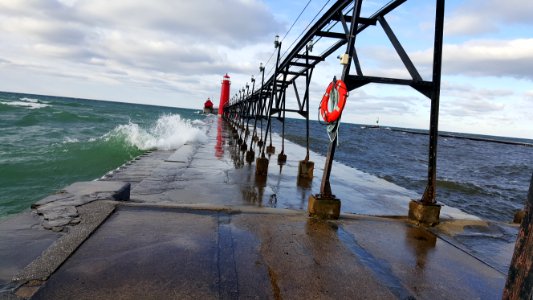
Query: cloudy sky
[{"x": 174, "y": 53}]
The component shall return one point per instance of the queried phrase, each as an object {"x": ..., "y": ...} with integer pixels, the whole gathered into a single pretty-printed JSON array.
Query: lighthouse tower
[{"x": 224, "y": 94}]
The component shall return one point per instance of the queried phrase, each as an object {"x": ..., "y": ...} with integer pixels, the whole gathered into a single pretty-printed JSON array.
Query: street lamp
[
  {"x": 253, "y": 83},
  {"x": 277, "y": 43},
  {"x": 310, "y": 45}
]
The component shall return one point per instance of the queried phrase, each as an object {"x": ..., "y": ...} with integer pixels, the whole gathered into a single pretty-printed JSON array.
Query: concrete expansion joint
[
  {"x": 233, "y": 210},
  {"x": 352, "y": 216}
]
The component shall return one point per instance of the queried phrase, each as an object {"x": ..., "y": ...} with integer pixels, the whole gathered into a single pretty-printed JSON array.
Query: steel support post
[
  {"x": 306, "y": 100},
  {"x": 282, "y": 157},
  {"x": 325, "y": 205},
  {"x": 427, "y": 211},
  {"x": 260, "y": 111},
  {"x": 429, "y": 196},
  {"x": 306, "y": 167},
  {"x": 270, "y": 148},
  {"x": 325, "y": 186}
]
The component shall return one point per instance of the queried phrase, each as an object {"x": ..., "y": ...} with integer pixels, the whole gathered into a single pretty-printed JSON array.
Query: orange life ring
[{"x": 332, "y": 116}]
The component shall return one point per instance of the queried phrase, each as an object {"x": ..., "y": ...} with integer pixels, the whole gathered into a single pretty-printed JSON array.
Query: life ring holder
[{"x": 338, "y": 87}]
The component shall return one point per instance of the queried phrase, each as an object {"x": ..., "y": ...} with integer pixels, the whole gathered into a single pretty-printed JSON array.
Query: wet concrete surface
[
  {"x": 216, "y": 172},
  {"x": 199, "y": 224},
  {"x": 164, "y": 253},
  {"x": 491, "y": 242},
  {"x": 22, "y": 241},
  {"x": 91, "y": 215}
]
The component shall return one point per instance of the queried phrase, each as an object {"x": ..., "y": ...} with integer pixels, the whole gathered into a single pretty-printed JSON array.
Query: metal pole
[
  {"x": 283, "y": 117},
  {"x": 273, "y": 94},
  {"x": 306, "y": 98},
  {"x": 429, "y": 196},
  {"x": 325, "y": 187},
  {"x": 262, "y": 69}
]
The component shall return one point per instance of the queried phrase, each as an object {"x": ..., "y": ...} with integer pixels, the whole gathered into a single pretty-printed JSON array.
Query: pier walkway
[{"x": 198, "y": 225}]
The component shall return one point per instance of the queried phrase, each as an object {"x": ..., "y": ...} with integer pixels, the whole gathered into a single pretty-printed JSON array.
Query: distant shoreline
[{"x": 481, "y": 139}]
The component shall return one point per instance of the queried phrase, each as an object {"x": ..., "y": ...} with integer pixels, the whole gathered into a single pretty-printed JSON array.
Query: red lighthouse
[{"x": 224, "y": 94}]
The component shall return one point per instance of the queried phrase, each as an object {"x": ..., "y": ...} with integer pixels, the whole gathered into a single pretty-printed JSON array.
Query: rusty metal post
[
  {"x": 519, "y": 283},
  {"x": 427, "y": 211},
  {"x": 250, "y": 154},
  {"x": 430, "y": 193},
  {"x": 325, "y": 187},
  {"x": 325, "y": 205},
  {"x": 271, "y": 149},
  {"x": 282, "y": 157},
  {"x": 260, "y": 111},
  {"x": 306, "y": 167}
]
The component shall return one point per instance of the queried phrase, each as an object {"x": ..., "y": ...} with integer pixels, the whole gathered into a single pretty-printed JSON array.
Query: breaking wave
[{"x": 167, "y": 133}]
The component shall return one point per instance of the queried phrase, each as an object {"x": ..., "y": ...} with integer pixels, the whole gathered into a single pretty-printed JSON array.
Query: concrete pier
[{"x": 199, "y": 224}]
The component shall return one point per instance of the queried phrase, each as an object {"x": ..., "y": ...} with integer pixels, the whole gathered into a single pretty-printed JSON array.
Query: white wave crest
[
  {"x": 32, "y": 100},
  {"x": 30, "y": 105},
  {"x": 69, "y": 140},
  {"x": 169, "y": 132}
]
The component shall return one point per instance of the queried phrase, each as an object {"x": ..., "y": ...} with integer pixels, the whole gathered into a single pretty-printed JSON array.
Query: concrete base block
[
  {"x": 250, "y": 156},
  {"x": 304, "y": 182},
  {"x": 519, "y": 216},
  {"x": 305, "y": 169},
  {"x": 261, "y": 166},
  {"x": 271, "y": 149},
  {"x": 324, "y": 208},
  {"x": 427, "y": 214},
  {"x": 282, "y": 159}
]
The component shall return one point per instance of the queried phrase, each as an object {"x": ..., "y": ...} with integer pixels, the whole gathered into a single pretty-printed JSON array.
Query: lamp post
[
  {"x": 308, "y": 49},
  {"x": 306, "y": 167},
  {"x": 260, "y": 104},
  {"x": 261, "y": 163},
  {"x": 277, "y": 44},
  {"x": 252, "y": 79}
]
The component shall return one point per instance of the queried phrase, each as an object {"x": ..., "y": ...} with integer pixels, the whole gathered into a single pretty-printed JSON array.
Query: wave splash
[
  {"x": 27, "y": 103},
  {"x": 169, "y": 132}
]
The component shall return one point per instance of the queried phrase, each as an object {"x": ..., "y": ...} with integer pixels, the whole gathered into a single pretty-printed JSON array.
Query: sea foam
[
  {"x": 27, "y": 104},
  {"x": 32, "y": 100},
  {"x": 167, "y": 133}
]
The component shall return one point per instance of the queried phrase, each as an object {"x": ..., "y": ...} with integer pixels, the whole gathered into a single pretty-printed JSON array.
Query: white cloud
[
  {"x": 177, "y": 51},
  {"x": 146, "y": 43},
  {"x": 477, "y": 57},
  {"x": 500, "y": 58},
  {"x": 474, "y": 17}
]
